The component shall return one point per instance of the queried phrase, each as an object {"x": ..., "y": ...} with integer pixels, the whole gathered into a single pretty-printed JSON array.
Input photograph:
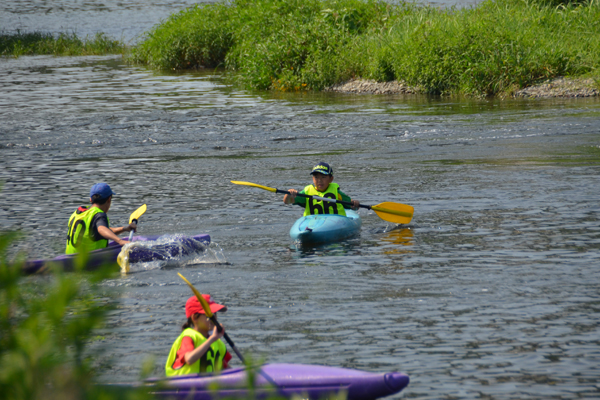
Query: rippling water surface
[{"x": 492, "y": 291}]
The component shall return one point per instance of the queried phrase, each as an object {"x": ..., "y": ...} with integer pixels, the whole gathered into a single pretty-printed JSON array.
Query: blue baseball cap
[
  {"x": 322, "y": 168},
  {"x": 101, "y": 189}
]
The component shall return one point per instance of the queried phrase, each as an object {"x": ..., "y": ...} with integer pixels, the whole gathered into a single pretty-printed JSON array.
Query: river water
[{"x": 492, "y": 291}]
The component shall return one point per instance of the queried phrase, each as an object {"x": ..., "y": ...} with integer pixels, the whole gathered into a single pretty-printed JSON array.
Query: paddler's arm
[
  {"x": 194, "y": 355},
  {"x": 108, "y": 234},
  {"x": 345, "y": 197},
  {"x": 120, "y": 229},
  {"x": 293, "y": 199}
]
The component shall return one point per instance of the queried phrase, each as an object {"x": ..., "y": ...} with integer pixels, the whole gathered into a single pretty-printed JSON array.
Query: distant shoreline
[{"x": 551, "y": 88}]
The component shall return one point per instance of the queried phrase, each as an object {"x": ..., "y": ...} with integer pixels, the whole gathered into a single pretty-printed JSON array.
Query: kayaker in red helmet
[
  {"x": 89, "y": 228},
  {"x": 196, "y": 349},
  {"x": 323, "y": 186}
]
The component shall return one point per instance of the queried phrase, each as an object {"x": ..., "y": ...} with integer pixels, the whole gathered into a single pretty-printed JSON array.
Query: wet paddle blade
[
  {"x": 270, "y": 189},
  {"x": 123, "y": 259},
  {"x": 137, "y": 213},
  {"x": 201, "y": 298},
  {"x": 394, "y": 212}
]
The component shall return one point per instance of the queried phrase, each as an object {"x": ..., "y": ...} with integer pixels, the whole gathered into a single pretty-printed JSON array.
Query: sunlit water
[{"x": 492, "y": 291}]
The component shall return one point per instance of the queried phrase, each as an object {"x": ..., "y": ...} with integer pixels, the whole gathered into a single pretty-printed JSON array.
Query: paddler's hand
[
  {"x": 291, "y": 197},
  {"x": 131, "y": 227},
  {"x": 216, "y": 334},
  {"x": 355, "y": 204}
]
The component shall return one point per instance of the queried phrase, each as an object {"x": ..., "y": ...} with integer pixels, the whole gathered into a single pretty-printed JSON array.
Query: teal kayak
[{"x": 323, "y": 228}]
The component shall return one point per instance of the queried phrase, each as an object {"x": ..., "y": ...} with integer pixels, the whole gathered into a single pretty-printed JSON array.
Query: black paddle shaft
[
  {"x": 346, "y": 203},
  {"x": 227, "y": 338},
  {"x": 219, "y": 328}
]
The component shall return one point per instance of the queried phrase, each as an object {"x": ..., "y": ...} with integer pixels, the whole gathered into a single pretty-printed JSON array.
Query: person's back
[
  {"x": 81, "y": 235},
  {"x": 89, "y": 228}
]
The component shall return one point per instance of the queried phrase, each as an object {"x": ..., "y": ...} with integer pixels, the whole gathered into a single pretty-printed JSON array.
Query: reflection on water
[{"x": 400, "y": 239}]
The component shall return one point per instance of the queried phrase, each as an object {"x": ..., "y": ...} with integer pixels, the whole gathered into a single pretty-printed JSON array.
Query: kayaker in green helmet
[
  {"x": 196, "y": 349},
  {"x": 323, "y": 186},
  {"x": 89, "y": 228}
]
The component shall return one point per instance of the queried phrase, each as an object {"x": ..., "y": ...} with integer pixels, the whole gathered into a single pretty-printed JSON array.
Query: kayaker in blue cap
[
  {"x": 196, "y": 349},
  {"x": 323, "y": 186},
  {"x": 89, "y": 228}
]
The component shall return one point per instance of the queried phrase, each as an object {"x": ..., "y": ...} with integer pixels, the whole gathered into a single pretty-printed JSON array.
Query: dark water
[{"x": 492, "y": 291}]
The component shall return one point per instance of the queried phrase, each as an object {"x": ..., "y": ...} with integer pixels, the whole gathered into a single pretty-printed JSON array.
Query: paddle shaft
[
  {"x": 131, "y": 233},
  {"x": 219, "y": 328},
  {"x": 346, "y": 203},
  {"x": 391, "y": 211}
]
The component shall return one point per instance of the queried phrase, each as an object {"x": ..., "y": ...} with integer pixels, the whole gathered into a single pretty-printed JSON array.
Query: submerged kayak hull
[
  {"x": 308, "y": 381},
  {"x": 324, "y": 228},
  {"x": 109, "y": 254}
]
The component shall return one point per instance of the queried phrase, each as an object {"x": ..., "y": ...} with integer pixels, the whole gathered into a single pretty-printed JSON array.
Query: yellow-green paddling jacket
[
  {"x": 211, "y": 361},
  {"x": 79, "y": 235},
  {"x": 323, "y": 207}
]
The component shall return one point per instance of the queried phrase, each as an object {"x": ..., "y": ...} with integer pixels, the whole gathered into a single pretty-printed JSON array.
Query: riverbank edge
[{"x": 557, "y": 87}]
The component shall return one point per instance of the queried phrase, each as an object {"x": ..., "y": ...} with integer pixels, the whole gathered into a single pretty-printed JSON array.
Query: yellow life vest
[
  {"x": 211, "y": 361},
  {"x": 323, "y": 207},
  {"x": 79, "y": 235}
]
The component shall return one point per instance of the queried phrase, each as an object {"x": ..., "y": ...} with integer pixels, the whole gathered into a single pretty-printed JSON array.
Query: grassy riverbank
[
  {"x": 494, "y": 48},
  {"x": 37, "y": 43}
]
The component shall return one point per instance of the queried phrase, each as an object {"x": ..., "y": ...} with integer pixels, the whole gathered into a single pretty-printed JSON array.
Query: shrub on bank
[
  {"x": 64, "y": 44},
  {"x": 495, "y": 47}
]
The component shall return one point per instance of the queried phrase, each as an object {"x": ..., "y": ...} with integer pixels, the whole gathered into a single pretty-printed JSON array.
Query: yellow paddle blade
[
  {"x": 270, "y": 189},
  {"x": 394, "y": 212},
  {"x": 137, "y": 213},
  {"x": 201, "y": 299},
  {"x": 123, "y": 258}
]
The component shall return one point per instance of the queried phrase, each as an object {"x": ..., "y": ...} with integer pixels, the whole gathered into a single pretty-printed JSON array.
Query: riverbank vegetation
[
  {"x": 494, "y": 48},
  {"x": 64, "y": 44}
]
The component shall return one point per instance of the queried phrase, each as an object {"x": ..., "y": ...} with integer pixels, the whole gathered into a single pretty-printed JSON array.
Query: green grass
[
  {"x": 46, "y": 325},
  {"x": 493, "y": 48},
  {"x": 64, "y": 44}
]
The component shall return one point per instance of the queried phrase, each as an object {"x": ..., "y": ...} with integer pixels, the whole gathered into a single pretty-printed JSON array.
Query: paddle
[
  {"x": 212, "y": 317},
  {"x": 219, "y": 328},
  {"x": 392, "y": 212},
  {"x": 134, "y": 218}
]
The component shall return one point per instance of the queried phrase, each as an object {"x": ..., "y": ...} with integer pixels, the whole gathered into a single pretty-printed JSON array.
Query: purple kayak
[
  {"x": 182, "y": 245},
  {"x": 309, "y": 381}
]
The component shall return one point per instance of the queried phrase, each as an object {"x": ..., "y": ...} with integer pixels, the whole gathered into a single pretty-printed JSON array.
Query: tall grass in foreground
[
  {"x": 64, "y": 44},
  {"x": 46, "y": 324},
  {"x": 493, "y": 48}
]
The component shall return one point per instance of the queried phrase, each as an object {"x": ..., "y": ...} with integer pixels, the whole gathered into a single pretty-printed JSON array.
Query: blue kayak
[{"x": 323, "y": 228}]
